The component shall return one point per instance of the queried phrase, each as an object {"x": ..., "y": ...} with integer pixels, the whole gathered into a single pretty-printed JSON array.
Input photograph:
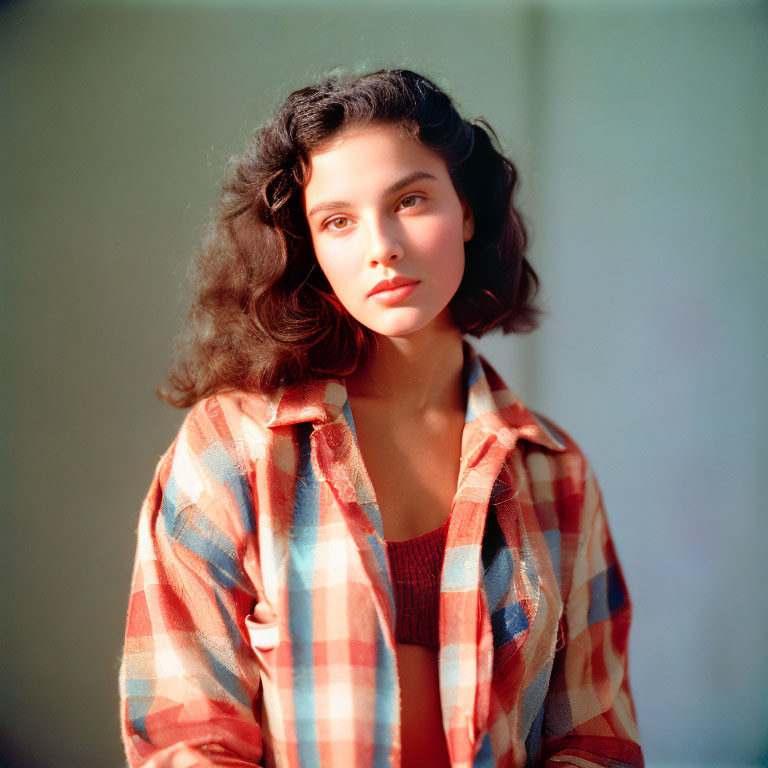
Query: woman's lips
[{"x": 393, "y": 295}]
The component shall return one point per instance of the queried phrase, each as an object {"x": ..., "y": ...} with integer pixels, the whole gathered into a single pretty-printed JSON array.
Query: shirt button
[
  {"x": 522, "y": 563},
  {"x": 467, "y": 564}
]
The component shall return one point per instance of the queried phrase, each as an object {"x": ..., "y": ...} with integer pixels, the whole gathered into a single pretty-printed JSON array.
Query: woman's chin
[
  {"x": 406, "y": 321},
  {"x": 403, "y": 330}
]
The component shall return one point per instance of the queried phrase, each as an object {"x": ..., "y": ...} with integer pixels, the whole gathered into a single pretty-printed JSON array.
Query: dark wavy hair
[{"x": 263, "y": 316}]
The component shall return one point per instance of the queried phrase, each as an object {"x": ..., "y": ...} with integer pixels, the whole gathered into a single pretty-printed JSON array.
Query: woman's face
[{"x": 382, "y": 206}]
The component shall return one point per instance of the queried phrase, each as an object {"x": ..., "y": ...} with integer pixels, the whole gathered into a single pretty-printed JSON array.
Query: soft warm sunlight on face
[{"x": 382, "y": 206}]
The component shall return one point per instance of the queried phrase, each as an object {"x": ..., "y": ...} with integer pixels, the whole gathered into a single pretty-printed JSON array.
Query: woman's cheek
[
  {"x": 448, "y": 250},
  {"x": 331, "y": 263}
]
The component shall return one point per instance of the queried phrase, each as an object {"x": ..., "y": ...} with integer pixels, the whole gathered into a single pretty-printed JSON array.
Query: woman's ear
[{"x": 469, "y": 220}]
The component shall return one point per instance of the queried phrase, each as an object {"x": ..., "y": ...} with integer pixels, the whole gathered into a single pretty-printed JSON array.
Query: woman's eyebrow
[{"x": 390, "y": 190}]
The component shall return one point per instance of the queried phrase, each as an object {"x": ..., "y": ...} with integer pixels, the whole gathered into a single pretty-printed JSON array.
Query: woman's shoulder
[
  {"x": 235, "y": 411},
  {"x": 565, "y": 464},
  {"x": 221, "y": 447},
  {"x": 555, "y": 430},
  {"x": 246, "y": 431},
  {"x": 225, "y": 433}
]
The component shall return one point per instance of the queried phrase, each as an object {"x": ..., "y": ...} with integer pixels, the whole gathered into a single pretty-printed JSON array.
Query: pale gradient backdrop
[{"x": 641, "y": 133}]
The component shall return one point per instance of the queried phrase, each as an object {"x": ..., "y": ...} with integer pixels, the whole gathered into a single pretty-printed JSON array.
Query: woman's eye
[
  {"x": 332, "y": 221},
  {"x": 410, "y": 197}
]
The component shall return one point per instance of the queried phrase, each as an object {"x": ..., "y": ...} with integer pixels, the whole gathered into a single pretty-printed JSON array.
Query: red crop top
[{"x": 415, "y": 565}]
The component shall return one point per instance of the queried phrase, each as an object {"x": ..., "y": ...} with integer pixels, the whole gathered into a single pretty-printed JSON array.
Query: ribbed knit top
[{"x": 415, "y": 565}]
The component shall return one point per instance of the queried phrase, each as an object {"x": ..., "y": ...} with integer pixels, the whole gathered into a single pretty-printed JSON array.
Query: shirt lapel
[{"x": 487, "y": 606}]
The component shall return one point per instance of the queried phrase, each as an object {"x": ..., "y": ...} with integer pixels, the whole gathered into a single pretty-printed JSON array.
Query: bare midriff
[{"x": 423, "y": 738}]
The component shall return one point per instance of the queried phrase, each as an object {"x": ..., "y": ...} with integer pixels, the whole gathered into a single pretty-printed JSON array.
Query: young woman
[{"x": 362, "y": 549}]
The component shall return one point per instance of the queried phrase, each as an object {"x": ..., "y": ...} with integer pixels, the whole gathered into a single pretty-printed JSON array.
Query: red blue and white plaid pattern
[{"x": 267, "y": 498}]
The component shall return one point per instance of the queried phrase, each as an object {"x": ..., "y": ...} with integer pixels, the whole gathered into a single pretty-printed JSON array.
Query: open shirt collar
[{"x": 490, "y": 403}]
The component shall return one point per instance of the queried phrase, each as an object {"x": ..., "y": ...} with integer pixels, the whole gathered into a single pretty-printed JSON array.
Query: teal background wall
[{"x": 640, "y": 130}]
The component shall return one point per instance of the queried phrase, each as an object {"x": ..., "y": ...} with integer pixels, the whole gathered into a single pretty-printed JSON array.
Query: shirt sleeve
[
  {"x": 590, "y": 718},
  {"x": 189, "y": 681}
]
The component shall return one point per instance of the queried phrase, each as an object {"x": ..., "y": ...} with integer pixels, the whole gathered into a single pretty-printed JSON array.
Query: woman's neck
[{"x": 417, "y": 373}]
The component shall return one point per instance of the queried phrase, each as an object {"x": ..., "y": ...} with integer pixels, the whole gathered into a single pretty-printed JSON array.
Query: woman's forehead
[{"x": 378, "y": 156}]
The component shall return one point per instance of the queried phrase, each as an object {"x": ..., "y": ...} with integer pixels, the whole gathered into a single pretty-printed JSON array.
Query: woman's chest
[{"x": 413, "y": 465}]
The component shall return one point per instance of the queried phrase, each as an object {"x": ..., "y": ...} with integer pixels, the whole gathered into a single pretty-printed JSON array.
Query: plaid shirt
[{"x": 267, "y": 498}]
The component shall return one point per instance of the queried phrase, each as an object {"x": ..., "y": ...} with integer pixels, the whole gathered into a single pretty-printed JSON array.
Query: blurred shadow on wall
[
  {"x": 12, "y": 753},
  {"x": 3, "y": 5}
]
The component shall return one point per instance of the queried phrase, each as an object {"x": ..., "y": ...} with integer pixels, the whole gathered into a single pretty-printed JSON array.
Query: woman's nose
[{"x": 385, "y": 244}]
